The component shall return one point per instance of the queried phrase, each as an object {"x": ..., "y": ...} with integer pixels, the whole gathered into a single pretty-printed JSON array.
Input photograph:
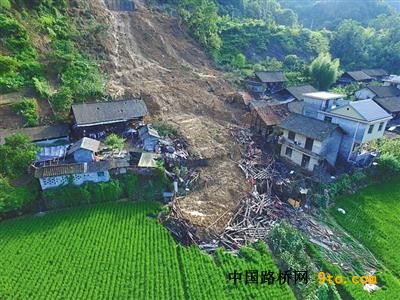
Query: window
[
  {"x": 380, "y": 126},
  {"x": 328, "y": 119},
  {"x": 100, "y": 174},
  {"x": 309, "y": 144},
  {"x": 288, "y": 152},
  {"x": 305, "y": 161},
  {"x": 371, "y": 128},
  {"x": 291, "y": 135}
]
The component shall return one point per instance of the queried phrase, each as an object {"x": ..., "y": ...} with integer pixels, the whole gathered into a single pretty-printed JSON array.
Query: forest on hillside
[{"x": 287, "y": 35}]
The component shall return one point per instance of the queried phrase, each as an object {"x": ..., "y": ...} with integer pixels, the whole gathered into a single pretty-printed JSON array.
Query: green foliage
[
  {"x": 42, "y": 87},
  {"x": 165, "y": 129},
  {"x": 324, "y": 71},
  {"x": 8, "y": 64},
  {"x": 201, "y": 17},
  {"x": 239, "y": 61},
  {"x": 131, "y": 186},
  {"x": 16, "y": 155},
  {"x": 14, "y": 198},
  {"x": 88, "y": 193},
  {"x": 28, "y": 108},
  {"x": 115, "y": 142},
  {"x": 348, "y": 90},
  {"x": 371, "y": 217},
  {"x": 113, "y": 250},
  {"x": 62, "y": 100},
  {"x": 6, "y": 4}
]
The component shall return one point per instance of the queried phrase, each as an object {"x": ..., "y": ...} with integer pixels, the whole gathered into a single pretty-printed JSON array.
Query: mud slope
[{"x": 150, "y": 55}]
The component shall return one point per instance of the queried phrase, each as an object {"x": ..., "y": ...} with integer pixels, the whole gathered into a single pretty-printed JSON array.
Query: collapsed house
[
  {"x": 265, "y": 83},
  {"x": 263, "y": 117},
  {"x": 97, "y": 119}
]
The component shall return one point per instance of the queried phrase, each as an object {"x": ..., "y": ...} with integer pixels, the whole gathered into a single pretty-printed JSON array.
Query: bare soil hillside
[{"x": 149, "y": 54}]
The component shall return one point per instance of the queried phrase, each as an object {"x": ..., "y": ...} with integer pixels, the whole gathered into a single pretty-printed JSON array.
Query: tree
[
  {"x": 16, "y": 155},
  {"x": 115, "y": 142},
  {"x": 324, "y": 71},
  {"x": 349, "y": 43},
  {"x": 201, "y": 16},
  {"x": 239, "y": 61}
]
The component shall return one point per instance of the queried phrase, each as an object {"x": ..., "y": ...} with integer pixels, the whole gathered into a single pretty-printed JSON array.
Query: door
[{"x": 309, "y": 144}]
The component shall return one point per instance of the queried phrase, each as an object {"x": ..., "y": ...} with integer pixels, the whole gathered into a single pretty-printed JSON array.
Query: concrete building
[
  {"x": 362, "y": 121},
  {"x": 309, "y": 142},
  {"x": 314, "y": 102},
  {"x": 84, "y": 149},
  {"x": 53, "y": 176}
]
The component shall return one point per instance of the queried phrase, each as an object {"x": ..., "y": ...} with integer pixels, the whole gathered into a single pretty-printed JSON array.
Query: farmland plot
[
  {"x": 372, "y": 216},
  {"x": 115, "y": 251}
]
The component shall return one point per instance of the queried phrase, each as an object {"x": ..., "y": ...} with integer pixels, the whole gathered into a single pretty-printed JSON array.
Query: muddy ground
[{"x": 150, "y": 55}]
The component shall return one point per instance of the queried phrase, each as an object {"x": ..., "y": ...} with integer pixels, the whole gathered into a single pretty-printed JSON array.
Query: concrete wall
[
  {"x": 77, "y": 179},
  {"x": 297, "y": 157},
  {"x": 312, "y": 106},
  {"x": 301, "y": 139}
]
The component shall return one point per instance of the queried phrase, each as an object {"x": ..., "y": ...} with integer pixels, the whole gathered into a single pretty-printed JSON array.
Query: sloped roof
[
  {"x": 298, "y": 91},
  {"x": 375, "y": 72},
  {"x": 270, "y": 77},
  {"x": 85, "y": 143},
  {"x": 390, "y": 104},
  {"x": 37, "y": 133},
  {"x": 271, "y": 115},
  {"x": 368, "y": 110},
  {"x": 384, "y": 91},
  {"x": 107, "y": 112},
  {"x": 70, "y": 169},
  {"x": 296, "y": 107},
  {"x": 309, "y": 127},
  {"x": 359, "y": 75}
]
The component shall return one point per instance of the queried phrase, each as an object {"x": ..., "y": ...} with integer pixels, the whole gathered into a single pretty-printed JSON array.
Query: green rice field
[{"x": 117, "y": 251}]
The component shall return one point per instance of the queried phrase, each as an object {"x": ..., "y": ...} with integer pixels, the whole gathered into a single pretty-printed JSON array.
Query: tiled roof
[
  {"x": 384, "y": 91},
  {"x": 85, "y": 143},
  {"x": 107, "y": 112},
  {"x": 309, "y": 127},
  {"x": 390, "y": 104},
  {"x": 70, "y": 169},
  {"x": 270, "y": 77},
  {"x": 358, "y": 75},
  {"x": 38, "y": 133}
]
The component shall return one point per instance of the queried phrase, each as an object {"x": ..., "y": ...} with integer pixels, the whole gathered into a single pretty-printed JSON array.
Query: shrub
[
  {"x": 8, "y": 64},
  {"x": 14, "y": 198},
  {"x": 42, "y": 87},
  {"x": 165, "y": 129},
  {"x": 28, "y": 108},
  {"x": 71, "y": 195},
  {"x": 115, "y": 142},
  {"x": 16, "y": 155}
]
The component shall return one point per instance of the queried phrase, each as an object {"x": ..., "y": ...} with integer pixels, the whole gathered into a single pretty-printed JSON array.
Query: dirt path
[{"x": 150, "y": 55}]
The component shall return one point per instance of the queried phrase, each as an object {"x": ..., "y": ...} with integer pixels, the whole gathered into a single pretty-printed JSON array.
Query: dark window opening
[
  {"x": 328, "y": 119},
  {"x": 288, "y": 152},
  {"x": 371, "y": 128},
  {"x": 309, "y": 144},
  {"x": 380, "y": 126},
  {"x": 305, "y": 161},
  {"x": 291, "y": 135}
]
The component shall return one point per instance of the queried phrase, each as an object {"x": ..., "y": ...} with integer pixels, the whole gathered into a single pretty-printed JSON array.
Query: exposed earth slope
[{"x": 149, "y": 54}]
